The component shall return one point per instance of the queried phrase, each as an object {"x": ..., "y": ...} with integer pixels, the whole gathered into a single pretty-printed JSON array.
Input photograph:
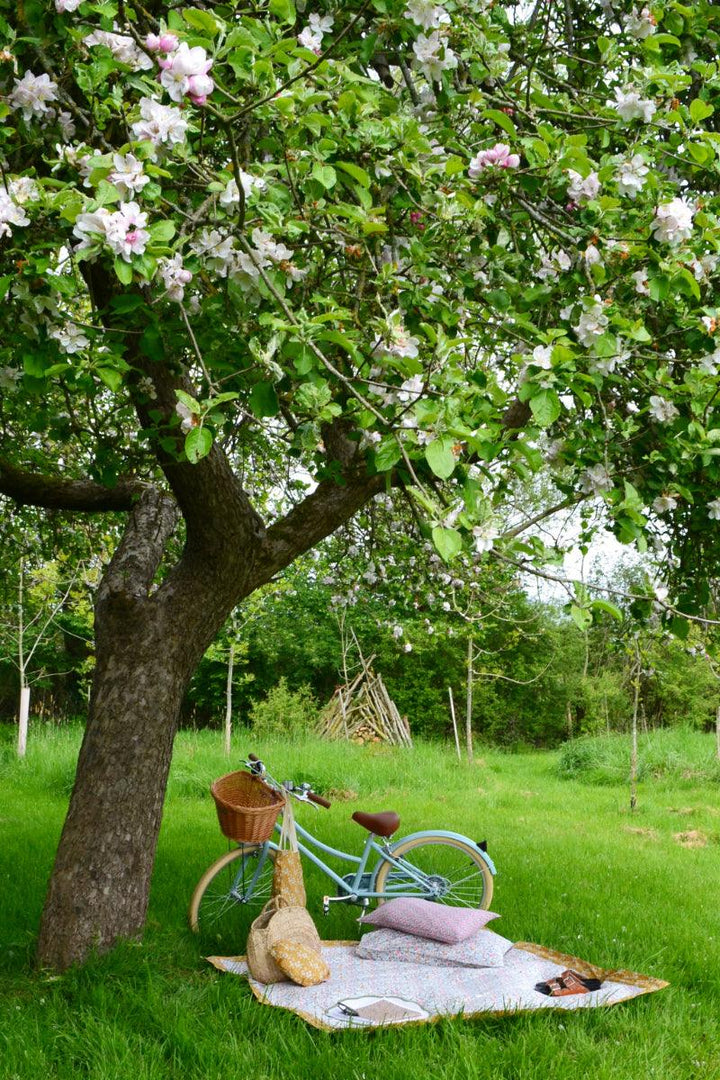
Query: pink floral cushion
[
  {"x": 425, "y": 919},
  {"x": 484, "y": 949}
]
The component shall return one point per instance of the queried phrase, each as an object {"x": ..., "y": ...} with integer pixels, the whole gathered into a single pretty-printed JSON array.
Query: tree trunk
[
  {"x": 469, "y": 701},
  {"x": 23, "y": 717}
]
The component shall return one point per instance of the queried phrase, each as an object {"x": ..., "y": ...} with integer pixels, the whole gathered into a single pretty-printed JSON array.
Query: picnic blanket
[{"x": 421, "y": 994}]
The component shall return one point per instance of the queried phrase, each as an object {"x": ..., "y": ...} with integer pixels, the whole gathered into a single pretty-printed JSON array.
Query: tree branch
[{"x": 61, "y": 493}]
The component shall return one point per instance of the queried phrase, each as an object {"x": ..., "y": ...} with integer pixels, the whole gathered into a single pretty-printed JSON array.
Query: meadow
[{"x": 576, "y": 872}]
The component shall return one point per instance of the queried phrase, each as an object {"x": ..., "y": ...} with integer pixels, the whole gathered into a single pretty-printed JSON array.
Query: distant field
[{"x": 577, "y": 872}]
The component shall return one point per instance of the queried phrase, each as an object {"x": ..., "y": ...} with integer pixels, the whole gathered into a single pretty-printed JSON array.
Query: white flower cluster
[
  {"x": 596, "y": 480},
  {"x": 128, "y": 175},
  {"x": 217, "y": 250},
  {"x": 175, "y": 277},
  {"x": 674, "y": 221},
  {"x": 397, "y": 341},
  {"x": 32, "y": 93},
  {"x": 312, "y": 36},
  {"x": 159, "y": 124},
  {"x": 61, "y": 6},
  {"x": 592, "y": 323},
  {"x": 70, "y": 338},
  {"x": 662, "y": 410},
  {"x": 185, "y": 72},
  {"x": 640, "y": 24},
  {"x": 231, "y": 195},
  {"x": 12, "y": 198},
  {"x": 123, "y": 231},
  {"x": 427, "y": 14},
  {"x": 631, "y": 176},
  {"x": 629, "y": 105},
  {"x": 713, "y": 508},
  {"x": 433, "y": 56},
  {"x": 122, "y": 46},
  {"x": 554, "y": 264},
  {"x": 582, "y": 189},
  {"x": 497, "y": 157}
]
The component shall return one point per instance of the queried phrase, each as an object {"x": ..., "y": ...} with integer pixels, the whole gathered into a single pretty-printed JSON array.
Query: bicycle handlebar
[
  {"x": 306, "y": 795},
  {"x": 319, "y": 800}
]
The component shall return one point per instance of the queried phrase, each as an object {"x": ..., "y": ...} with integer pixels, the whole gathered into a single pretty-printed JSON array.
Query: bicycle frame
[{"x": 356, "y": 889}]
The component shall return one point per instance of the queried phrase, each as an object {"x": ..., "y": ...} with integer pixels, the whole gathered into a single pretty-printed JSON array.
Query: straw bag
[
  {"x": 278, "y": 922},
  {"x": 288, "y": 875}
]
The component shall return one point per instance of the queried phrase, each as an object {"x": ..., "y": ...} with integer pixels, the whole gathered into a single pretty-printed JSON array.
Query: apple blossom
[
  {"x": 554, "y": 264},
  {"x": 662, "y": 410},
  {"x": 641, "y": 24},
  {"x": 713, "y": 509},
  {"x": 61, "y": 6},
  {"x": 11, "y": 213},
  {"x": 427, "y": 14},
  {"x": 640, "y": 277},
  {"x": 122, "y": 47},
  {"x": 583, "y": 189},
  {"x": 70, "y": 338},
  {"x": 400, "y": 342},
  {"x": 674, "y": 221},
  {"x": 663, "y": 503},
  {"x": 165, "y": 43},
  {"x": 433, "y": 57},
  {"x": 188, "y": 419},
  {"x": 498, "y": 156},
  {"x": 593, "y": 323},
  {"x": 186, "y": 72},
  {"x": 160, "y": 124},
  {"x": 629, "y": 105},
  {"x": 32, "y": 93},
  {"x": 596, "y": 480},
  {"x": 542, "y": 357},
  {"x": 632, "y": 175},
  {"x": 128, "y": 176},
  {"x": 175, "y": 277}
]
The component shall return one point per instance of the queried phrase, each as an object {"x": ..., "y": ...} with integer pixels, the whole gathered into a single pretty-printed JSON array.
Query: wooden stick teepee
[{"x": 363, "y": 711}]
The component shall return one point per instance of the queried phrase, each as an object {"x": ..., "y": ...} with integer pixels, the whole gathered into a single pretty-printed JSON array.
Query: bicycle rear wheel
[
  {"x": 228, "y": 895},
  {"x": 440, "y": 868}
]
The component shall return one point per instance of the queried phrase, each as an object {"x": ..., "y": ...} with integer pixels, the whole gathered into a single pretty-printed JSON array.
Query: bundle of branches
[{"x": 363, "y": 711}]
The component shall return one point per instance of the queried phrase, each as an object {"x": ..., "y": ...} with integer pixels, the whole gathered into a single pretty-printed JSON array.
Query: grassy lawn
[{"x": 577, "y": 873}]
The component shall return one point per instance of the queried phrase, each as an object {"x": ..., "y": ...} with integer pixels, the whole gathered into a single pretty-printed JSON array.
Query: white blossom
[
  {"x": 640, "y": 24},
  {"x": 311, "y": 37},
  {"x": 662, "y": 410},
  {"x": 629, "y": 105},
  {"x": 555, "y": 263},
  {"x": 11, "y": 213},
  {"x": 583, "y": 188},
  {"x": 123, "y": 48},
  {"x": 710, "y": 364},
  {"x": 592, "y": 324},
  {"x": 713, "y": 509},
  {"x": 542, "y": 356},
  {"x": 592, "y": 256},
  {"x": 640, "y": 277},
  {"x": 399, "y": 342},
  {"x": 433, "y": 56},
  {"x": 704, "y": 267},
  {"x": 397, "y": 632},
  {"x": 596, "y": 480},
  {"x": 61, "y": 6},
  {"x": 185, "y": 73},
  {"x": 673, "y": 221},
  {"x": 128, "y": 176},
  {"x": 32, "y": 93},
  {"x": 407, "y": 647},
  {"x": 632, "y": 175},
  {"x": 188, "y": 419},
  {"x": 70, "y": 338},
  {"x": 663, "y": 503},
  {"x": 160, "y": 124},
  {"x": 24, "y": 189},
  {"x": 175, "y": 276},
  {"x": 8, "y": 378},
  {"x": 483, "y": 539},
  {"x": 231, "y": 195},
  {"x": 498, "y": 156},
  {"x": 427, "y": 14}
]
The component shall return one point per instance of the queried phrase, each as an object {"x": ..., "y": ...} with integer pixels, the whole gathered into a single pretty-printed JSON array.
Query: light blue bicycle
[{"x": 436, "y": 865}]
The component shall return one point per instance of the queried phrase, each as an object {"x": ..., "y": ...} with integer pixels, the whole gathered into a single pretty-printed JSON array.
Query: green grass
[{"x": 577, "y": 873}]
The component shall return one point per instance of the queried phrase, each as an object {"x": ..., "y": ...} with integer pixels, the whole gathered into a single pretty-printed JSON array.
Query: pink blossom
[
  {"x": 181, "y": 67},
  {"x": 165, "y": 43},
  {"x": 497, "y": 156}
]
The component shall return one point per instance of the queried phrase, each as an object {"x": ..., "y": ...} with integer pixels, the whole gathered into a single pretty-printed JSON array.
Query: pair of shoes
[{"x": 568, "y": 982}]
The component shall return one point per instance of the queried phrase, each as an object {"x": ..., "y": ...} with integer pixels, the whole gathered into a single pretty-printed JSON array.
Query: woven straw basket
[
  {"x": 278, "y": 922},
  {"x": 247, "y": 808}
]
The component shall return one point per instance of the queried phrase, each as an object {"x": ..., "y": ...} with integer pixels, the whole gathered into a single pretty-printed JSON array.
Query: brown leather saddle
[{"x": 383, "y": 824}]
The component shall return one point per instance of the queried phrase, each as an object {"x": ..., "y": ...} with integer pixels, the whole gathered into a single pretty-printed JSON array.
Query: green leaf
[
  {"x": 284, "y": 9},
  {"x": 111, "y": 377},
  {"x": 699, "y": 110},
  {"x": 123, "y": 271},
  {"x": 501, "y": 119},
  {"x": 362, "y": 177},
  {"x": 5, "y": 283},
  {"x": 387, "y": 454},
  {"x": 188, "y": 401},
  {"x": 448, "y": 542},
  {"x": 162, "y": 230},
  {"x": 264, "y": 400},
  {"x": 581, "y": 617},
  {"x": 607, "y": 608},
  {"x": 325, "y": 175},
  {"x": 545, "y": 407},
  {"x": 440, "y": 457},
  {"x": 201, "y": 20},
  {"x": 198, "y": 443}
]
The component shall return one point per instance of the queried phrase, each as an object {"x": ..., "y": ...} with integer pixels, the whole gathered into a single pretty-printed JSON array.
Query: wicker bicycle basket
[{"x": 247, "y": 808}]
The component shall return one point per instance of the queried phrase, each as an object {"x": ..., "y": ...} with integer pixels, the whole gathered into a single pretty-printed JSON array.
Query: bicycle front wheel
[
  {"x": 229, "y": 892},
  {"x": 440, "y": 868}
]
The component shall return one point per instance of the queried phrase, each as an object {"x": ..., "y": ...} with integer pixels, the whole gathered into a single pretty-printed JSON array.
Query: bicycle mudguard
[{"x": 453, "y": 836}]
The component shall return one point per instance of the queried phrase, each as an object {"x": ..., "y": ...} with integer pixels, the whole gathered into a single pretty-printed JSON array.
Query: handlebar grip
[
  {"x": 319, "y": 800},
  {"x": 253, "y": 757}
]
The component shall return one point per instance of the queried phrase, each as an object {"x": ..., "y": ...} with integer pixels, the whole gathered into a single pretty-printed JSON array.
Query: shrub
[{"x": 285, "y": 712}]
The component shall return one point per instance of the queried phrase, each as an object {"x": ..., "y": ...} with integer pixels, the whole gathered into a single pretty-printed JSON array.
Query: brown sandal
[{"x": 568, "y": 982}]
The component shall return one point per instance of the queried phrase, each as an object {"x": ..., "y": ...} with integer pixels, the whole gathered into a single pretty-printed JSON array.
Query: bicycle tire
[
  {"x": 216, "y": 911},
  {"x": 473, "y": 889}
]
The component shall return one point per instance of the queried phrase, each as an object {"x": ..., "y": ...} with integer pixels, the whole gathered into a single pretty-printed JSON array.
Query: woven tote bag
[
  {"x": 288, "y": 874},
  {"x": 278, "y": 923}
]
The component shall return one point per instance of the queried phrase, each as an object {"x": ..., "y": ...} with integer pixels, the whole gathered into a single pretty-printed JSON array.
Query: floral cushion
[
  {"x": 426, "y": 919},
  {"x": 301, "y": 964},
  {"x": 484, "y": 949}
]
